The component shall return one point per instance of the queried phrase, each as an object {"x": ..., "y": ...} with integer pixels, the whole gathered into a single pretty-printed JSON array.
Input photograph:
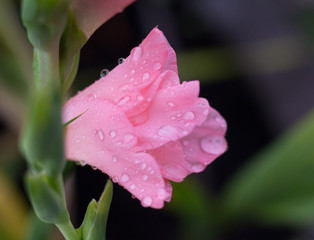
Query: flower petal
[
  {"x": 135, "y": 81},
  {"x": 170, "y": 158},
  {"x": 206, "y": 142},
  {"x": 102, "y": 137},
  {"x": 193, "y": 152},
  {"x": 173, "y": 114},
  {"x": 142, "y": 127},
  {"x": 90, "y": 15}
]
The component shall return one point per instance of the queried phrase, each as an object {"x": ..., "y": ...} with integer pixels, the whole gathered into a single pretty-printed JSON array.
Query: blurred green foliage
[
  {"x": 15, "y": 51},
  {"x": 196, "y": 209},
  {"x": 206, "y": 64},
  {"x": 275, "y": 188},
  {"x": 38, "y": 230},
  {"x": 13, "y": 210}
]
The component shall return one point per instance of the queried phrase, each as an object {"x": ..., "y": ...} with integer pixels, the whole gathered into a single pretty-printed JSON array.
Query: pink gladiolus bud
[
  {"x": 142, "y": 127},
  {"x": 91, "y": 14}
]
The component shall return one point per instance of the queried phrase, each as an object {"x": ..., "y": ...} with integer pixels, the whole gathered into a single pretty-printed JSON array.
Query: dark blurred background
[
  {"x": 254, "y": 60},
  {"x": 255, "y": 63}
]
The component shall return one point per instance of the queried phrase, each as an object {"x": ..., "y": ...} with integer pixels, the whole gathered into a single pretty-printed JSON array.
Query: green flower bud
[
  {"x": 47, "y": 202},
  {"x": 42, "y": 140},
  {"x": 45, "y": 21}
]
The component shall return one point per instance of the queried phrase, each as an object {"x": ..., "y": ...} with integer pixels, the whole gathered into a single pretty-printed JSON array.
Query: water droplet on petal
[
  {"x": 140, "y": 98},
  {"x": 115, "y": 159},
  {"x": 124, "y": 100},
  {"x": 132, "y": 186},
  {"x": 147, "y": 201},
  {"x": 115, "y": 179},
  {"x": 197, "y": 167},
  {"x": 124, "y": 87},
  {"x": 170, "y": 104},
  {"x": 132, "y": 71},
  {"x": 113, "y": 133},
  {"x": 145, "y": 76},
  {"x": 94, "y": 167},
  {"x": 125, "y": 177},
  {"x": 81, "y": 163},
  {"x": 145, "y": 177},
  {"x": 213, "y": 144},
  {"x": 121, "y": 60},
  {"x": 188, "y": 116},
  {"x": 136, "y": 53},
  {"x": 100, "y": 134},
  {"x": 221, "y": 128},
  {"x": 205, "y": 112},
  {"x": 128, "y": 138},
  {"x": 218, "y": 119},
  {"x": 104, "y": 72},
  {"x": 90, "y": 97},
  {"x": 168, "y": 131},
  {"x": 162, "y": 193},
  {"x": 143, "y": 165},
  {"x": 157, "y": 66}
]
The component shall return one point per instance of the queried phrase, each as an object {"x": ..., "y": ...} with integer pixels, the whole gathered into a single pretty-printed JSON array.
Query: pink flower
[
  {"x": 142, "y": 127},
  {"x": 91, "y": 14}
]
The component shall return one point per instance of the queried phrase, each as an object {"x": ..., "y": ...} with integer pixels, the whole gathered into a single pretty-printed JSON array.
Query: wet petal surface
[{"x": 142, "y": 127}]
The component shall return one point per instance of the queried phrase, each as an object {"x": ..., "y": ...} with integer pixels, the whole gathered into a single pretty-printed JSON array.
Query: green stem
[
  {"x": 47, "y": 76},
  {"x": 68, "y": 231},
  {"x": 46, "y": 67}
]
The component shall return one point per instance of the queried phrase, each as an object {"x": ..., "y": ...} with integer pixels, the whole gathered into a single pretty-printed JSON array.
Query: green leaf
[
  {"x": 73, "y": 119},
  {"x": 48, "y": 203},
  {"x": 95, "y": 221},
  {"x": 89, "y": 217},
  {"x": 277, "y": 186},
  {"x": 72, "y": 40}
]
